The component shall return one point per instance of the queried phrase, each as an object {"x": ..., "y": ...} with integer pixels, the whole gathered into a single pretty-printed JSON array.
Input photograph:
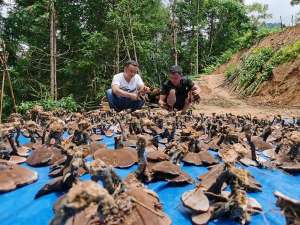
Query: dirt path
[{"x": 218, "y": 99}]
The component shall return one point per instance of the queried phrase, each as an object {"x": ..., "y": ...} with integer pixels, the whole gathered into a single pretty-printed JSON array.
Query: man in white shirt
[{"x": 127, "y": 88}]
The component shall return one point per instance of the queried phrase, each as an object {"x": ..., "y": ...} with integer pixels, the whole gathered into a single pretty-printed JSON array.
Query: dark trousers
[{"x": 120, "y": 103}]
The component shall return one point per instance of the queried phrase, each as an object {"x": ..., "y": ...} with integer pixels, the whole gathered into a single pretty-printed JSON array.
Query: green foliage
[
  {"x": 92, "y": 33},
  {"x": 210, "y": 68},
  {"x": 252, "y": 71},
  {"x": 254, "y": 35},
  {"x": 86, "y": 43},
  {"x": 287, "y": 54},
  {"x": 295, "y": 2},
  {"x": 220, "y": 23},
  {"x": 225, "y": 57},
  {"x": 265, "y": 31},
  {"x": 245, "y": 41},
  {"x": 227, "y": 20},
  {"x": 66, "y": 103},
  {"x": 252, "y": 65},
  {"x": 230, "y": 70}
]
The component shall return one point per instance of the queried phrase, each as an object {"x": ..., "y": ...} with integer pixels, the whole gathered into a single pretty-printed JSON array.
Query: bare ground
[{"x": 215, "y": 98}]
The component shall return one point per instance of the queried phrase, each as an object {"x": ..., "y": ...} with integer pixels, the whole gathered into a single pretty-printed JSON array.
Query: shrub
[
  {"x": 286, "y": 54},
  {"x": 66, "y": 103},
  {"x": 225, "y": 57},
  {"x": 252, "y": 65},
  {"x": 230, "y": 70}
]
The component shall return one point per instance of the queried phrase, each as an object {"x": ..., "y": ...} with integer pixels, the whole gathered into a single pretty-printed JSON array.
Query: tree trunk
[
  {"x": 2, "y": 96},
  {"x": 197, "y": 39},
  {"x": 10, "y": 88},
  {"x": 211, "y": 33},
  {"x": 125, "y": 43},
  {"x": 55, "y": 56},
  {"x": 3, "y": 61},
  {"x": 117, "y": 64},
  {"x": 53, "y": 85},
  {"x": 174, "y": 33},
  {"x": 131, "y": 32}
]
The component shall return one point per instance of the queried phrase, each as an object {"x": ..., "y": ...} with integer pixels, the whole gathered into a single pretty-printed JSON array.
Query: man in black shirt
[{"x": 178, "y": 92}]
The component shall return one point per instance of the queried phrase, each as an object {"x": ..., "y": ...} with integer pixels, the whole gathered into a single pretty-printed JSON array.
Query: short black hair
[
  {"x": 176, "y": 69},
  {"x": 131, "y": 62}
]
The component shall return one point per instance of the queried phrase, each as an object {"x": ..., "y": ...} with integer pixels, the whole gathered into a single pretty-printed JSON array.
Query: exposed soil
[
  {"x": 215, "y": 98},
  {"x": 279, "y": 95},
  {"x": 283, "y": 88},
  {"x": 277, "y": 40}
]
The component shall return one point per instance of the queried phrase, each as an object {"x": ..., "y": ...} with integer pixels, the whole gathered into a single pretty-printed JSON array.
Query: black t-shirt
[{"x": 181, "y": 91}]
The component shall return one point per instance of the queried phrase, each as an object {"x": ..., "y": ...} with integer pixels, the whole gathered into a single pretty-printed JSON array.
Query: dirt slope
[
  {"x": 283, "y": 89},
  {"x": 215, "y": 98}
]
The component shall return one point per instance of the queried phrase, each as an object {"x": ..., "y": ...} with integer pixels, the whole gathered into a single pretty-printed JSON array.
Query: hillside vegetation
[{"x": 268, "y": 72}]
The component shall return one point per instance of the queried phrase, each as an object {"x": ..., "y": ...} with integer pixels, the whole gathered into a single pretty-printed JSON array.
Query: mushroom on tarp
[
  {"x": 44, "y": 156},
  {"x": 203, "y": 158},
  {"x": 87, "y": 202},
  {"x": 13, "y": 176},
  {"x": 121, "y": 158},
  {"x": 289, "y": 207}
]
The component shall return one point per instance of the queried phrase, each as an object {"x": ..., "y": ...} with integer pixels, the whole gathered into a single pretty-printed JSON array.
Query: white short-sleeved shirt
[{"x": 135, "y": 82}]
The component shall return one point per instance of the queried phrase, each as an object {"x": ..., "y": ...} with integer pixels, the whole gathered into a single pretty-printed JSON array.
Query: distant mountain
[{"x": 273, "y": 25}]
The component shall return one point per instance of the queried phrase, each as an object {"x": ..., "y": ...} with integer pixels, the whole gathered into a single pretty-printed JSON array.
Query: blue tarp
[{"x": 19, "y": 207}]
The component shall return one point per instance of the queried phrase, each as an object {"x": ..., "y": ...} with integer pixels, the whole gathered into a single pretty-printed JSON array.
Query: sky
[
  {"x": 279, "y": 8},
  {"x": 4, "y": 10}
]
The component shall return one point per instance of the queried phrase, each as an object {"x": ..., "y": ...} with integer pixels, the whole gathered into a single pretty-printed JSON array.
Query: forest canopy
[{"x": 94, "y": 38}]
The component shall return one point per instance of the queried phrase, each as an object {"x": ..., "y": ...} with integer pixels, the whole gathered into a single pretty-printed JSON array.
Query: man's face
[
  {"x": 130, "y": 71},
  {"x": 175, "y": 78}
]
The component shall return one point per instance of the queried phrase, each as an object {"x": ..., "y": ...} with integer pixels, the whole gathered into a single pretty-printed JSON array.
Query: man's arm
[
  {"x": 142, "y": 88},
  {"x": 119, "y": 92},
  {"x": 162, "y": 101},
  {"x": 163, "y": 96}
]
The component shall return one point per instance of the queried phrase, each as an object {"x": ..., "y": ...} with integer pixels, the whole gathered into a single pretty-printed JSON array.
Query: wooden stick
[
  {"x": 146, "y": 207},
  {"x": 3, "y": 59},
  {"x": 2, "y": 93},
  {"x": 10, "y": 88}
]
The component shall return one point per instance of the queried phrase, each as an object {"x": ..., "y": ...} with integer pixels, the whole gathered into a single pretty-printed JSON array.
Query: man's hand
[
  {"x": 162, "y": 104},
  {"x": 196, "y": 92},
  {"x": 134, "y": 96},
  {"x": 144, "y": 90},
  {"x": 196, "y": 95}
]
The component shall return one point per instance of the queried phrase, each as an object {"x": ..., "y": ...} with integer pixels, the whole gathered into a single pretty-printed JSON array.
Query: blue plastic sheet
[{"x": 19, "y": 207}]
